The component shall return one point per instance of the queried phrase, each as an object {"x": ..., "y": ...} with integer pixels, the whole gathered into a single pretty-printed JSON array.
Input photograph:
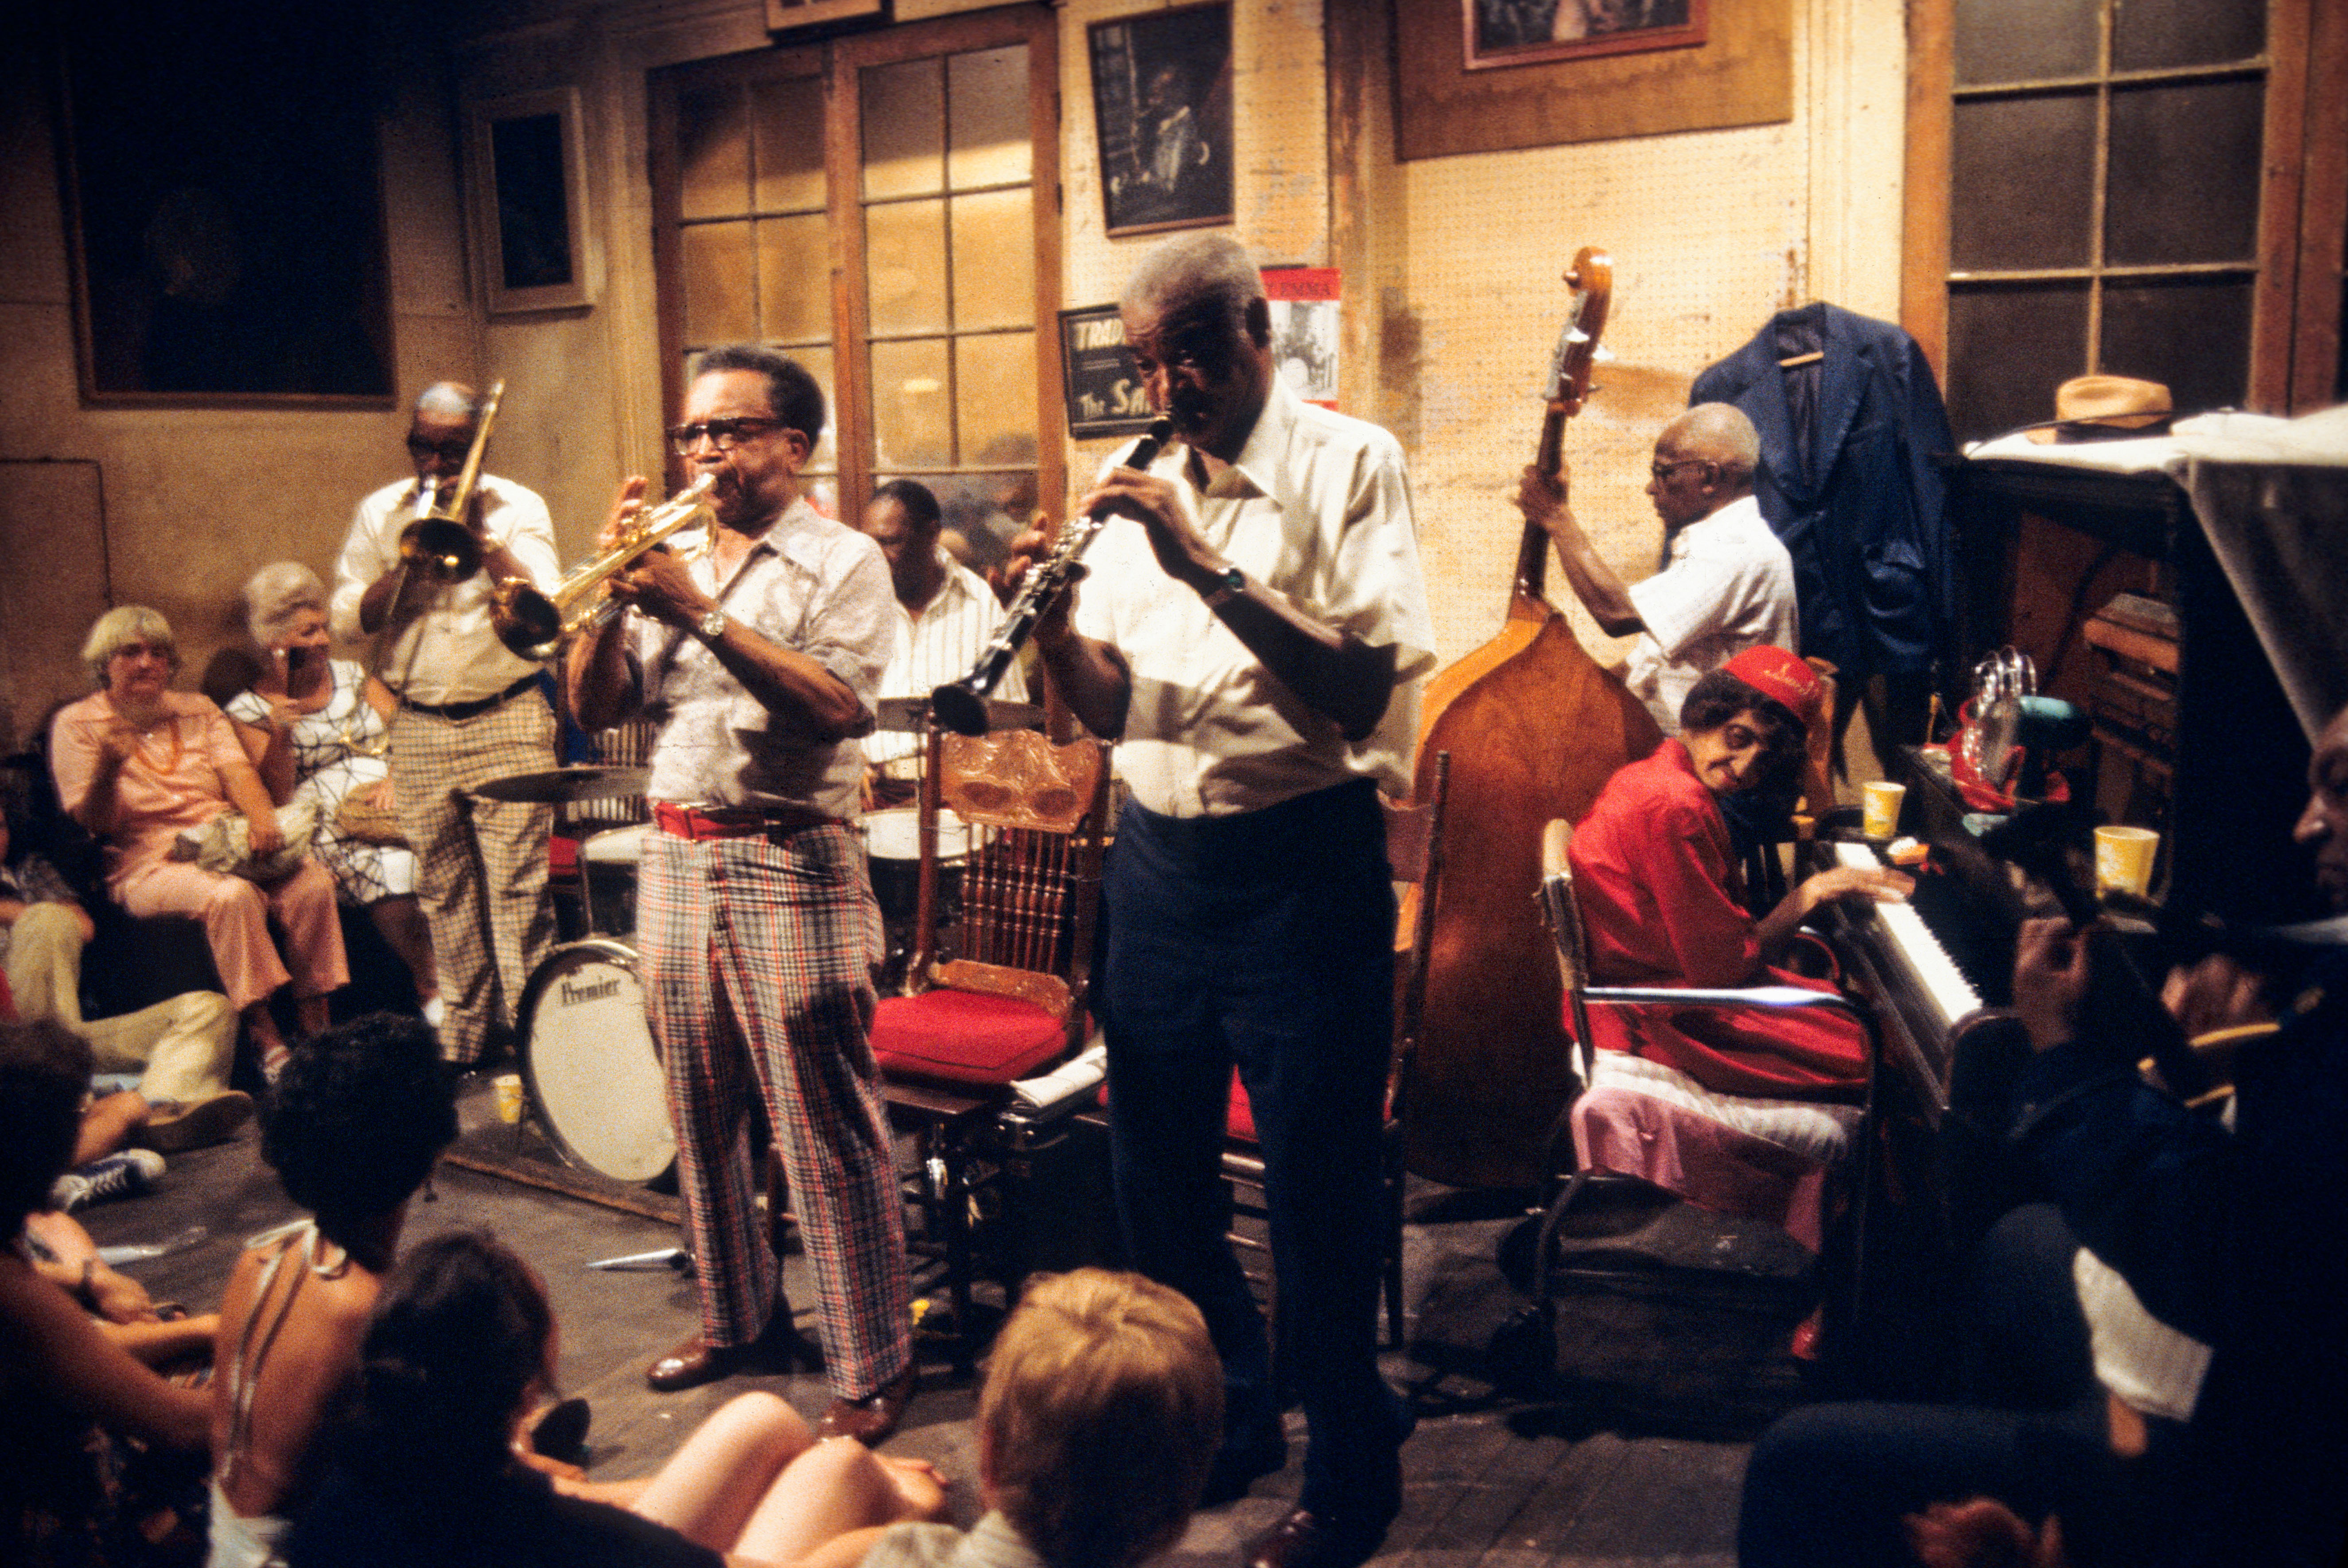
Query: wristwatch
[
  {"x": 1230, "y": 583},
  {"x": 712, "y": 626}
]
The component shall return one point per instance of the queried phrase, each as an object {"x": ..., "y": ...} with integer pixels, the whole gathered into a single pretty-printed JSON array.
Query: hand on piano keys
[{"x": 1919, "y": 959}]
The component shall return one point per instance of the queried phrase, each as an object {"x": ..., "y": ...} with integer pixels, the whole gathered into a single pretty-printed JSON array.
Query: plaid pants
[
  {"x": 480, "y": 865},
  {"x": 757, "y": 956}
]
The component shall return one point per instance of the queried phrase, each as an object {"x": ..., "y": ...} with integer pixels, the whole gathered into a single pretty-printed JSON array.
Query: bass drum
[{"x": 587, "y": 1058}]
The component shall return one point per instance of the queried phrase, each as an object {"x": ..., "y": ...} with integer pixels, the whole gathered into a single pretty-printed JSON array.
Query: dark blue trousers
[{"x": 1266, "y": 941}]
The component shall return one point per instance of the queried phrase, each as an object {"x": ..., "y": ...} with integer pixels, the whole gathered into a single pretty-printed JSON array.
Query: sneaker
[
  {"x": 122, "y": 1175},
  {"x": 173, "y": 1125}
]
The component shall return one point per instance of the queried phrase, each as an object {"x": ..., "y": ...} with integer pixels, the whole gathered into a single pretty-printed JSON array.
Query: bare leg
[
  {"x": 833, "y": 1488},
  {"x": 311, "y": 1015},
  {"x": 709, "y": 1487},
  {"x": 107, "y": 1124},
  {"x": 401, "y": 921},
  {"x": 267, "y": 1042}
]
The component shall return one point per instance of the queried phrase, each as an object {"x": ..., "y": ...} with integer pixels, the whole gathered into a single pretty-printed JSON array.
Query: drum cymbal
[
  {"x": 910, "y": 713},
  {"x": 563, "y": 786}
]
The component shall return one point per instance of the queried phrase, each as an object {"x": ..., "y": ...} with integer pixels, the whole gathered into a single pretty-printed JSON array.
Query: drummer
[{"x": 945, "y": 615}]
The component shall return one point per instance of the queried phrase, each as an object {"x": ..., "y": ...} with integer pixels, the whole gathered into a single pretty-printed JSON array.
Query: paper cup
[
  {"x": 1880, "y": 801},
  {"x": 2124, "y": 857},
  {"x": 509, "y": 1086}
]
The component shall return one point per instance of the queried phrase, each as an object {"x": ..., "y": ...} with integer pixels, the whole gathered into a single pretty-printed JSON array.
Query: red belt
[{"x": 686, "y": 822}]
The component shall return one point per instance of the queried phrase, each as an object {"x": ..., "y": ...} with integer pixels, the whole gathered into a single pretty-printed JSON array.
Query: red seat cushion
[
  {"x": 965, "y": 1036},
  {"x": 563, "y": 855}
]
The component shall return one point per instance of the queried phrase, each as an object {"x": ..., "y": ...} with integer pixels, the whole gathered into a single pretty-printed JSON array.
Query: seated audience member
[
  {"x": 352, "y": 1128},
  {"x": 945, "y": 615},
  {"x": 161, "y": 1337},
  {"x": 137, "y": 764},
  {"x": 2196, "y": 1289},
  {"x": 314, "y": 728},
  {"x": 1663, "y": 902},
  {"x": 429, "y": 1471},
  {"x": 183, "y": 1045},
  {"x": 72, "y": 1395},
  {"x": 1100, "y": 1417}
]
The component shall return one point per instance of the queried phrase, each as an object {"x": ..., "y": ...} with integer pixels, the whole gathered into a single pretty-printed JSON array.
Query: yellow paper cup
[
  {"x": 2124, "y": 857},
  {"x": 509, "y": 1097},
  {"x": 1880, "y": 803}
]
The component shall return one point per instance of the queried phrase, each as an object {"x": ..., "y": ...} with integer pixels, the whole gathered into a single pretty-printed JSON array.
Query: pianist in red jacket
[{"x": 1663, "y": 902}]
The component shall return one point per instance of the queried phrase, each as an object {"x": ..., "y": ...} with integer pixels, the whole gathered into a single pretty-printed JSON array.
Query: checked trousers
[{"x": 757, "y": 956}]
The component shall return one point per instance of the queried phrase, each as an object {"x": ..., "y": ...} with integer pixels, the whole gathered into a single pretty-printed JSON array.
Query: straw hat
[{"x": 2102, "y": 407}]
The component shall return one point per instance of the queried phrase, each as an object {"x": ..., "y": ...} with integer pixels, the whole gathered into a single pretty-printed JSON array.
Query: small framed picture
[
  {"x": 1523, "y": 32},
  {"x": 1104, "y": 389},
  {"x": 530, "y": 203},
  {"x": 1162, "y": 106}
]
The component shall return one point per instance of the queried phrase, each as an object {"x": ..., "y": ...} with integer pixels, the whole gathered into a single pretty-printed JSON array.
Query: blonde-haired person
[
  {"x": 314, "y": 726},
  {"x": 1101, "y": 1414},
  {"x": 137, "y": 764}
]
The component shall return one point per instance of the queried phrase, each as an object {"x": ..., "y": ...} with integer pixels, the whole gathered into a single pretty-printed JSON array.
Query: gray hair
[
  {"x": 276, "y": 593},
  {"x": 1719, "y": 434},
  {"x": 122, "y": 625},
  {"x": 1210, "y": 271},
  {"x": 449, "y": 400}
]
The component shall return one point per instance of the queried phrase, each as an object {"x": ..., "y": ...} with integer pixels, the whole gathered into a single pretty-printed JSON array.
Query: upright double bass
[{"x": 1534, "y": 728}]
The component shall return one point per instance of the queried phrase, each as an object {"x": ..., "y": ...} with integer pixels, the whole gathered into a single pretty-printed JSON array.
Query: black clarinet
[{"x": 961, "y": 705}]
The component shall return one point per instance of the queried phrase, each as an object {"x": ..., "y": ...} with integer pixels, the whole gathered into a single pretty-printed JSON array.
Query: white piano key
[{"x": 1935, "y": 973}]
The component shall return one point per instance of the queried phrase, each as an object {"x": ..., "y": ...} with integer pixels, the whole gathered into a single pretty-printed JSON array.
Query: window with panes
[
  {"x": 883, "y": 209},
  {"x": 2121, "y": 190}
]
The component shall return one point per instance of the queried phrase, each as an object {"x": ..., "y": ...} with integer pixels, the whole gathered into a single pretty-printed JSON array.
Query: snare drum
[
  {"x": 588, "y": 1060},
  {"x": 893, "y": 844}
]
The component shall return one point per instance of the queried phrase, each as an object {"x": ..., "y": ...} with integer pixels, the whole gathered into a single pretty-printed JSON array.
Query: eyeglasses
[
  {"x": 1662, "y": 471},
  {"x": 726, "y": 434},
  {"x": 457, "y": 447}
]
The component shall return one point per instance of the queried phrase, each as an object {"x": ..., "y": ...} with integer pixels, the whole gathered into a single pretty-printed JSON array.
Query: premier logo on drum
[{"x": 574, "y": 993}]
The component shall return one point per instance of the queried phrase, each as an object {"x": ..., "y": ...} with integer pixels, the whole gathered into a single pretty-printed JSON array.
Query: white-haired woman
[
  {"x": 309, "y": 722},
  {"x": 137, "y": 764}
]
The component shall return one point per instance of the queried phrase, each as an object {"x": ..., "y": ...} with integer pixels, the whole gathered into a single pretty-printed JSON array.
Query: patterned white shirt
[
  {"x": 809, "y": 584},
  {"x": 939, "y": 645},
  {"x": 460, "y": 659}
]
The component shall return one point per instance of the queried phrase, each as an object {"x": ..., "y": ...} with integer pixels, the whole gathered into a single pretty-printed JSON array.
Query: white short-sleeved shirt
[
  {"x": 459, "y": 658},
  {"x": 1317, "y": 506},
  {"x": 939, "y": 645},
  {"x": 811, "y": 585},
  {"x": 1728, "y": 586}
]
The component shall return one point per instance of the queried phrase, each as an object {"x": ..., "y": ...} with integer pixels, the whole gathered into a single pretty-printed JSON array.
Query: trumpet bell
[{"x": 443, "y": 549}]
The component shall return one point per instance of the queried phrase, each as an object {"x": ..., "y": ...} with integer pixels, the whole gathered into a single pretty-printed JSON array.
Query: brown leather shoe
[
  {"x": 693, "y": 1363},
  {"x": 872, "y": 1419},
  {"x": 1303, "y": 1541}
]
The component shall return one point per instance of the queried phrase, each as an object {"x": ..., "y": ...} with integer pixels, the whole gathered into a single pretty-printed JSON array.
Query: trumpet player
[
  {"x": 755, "y": 920},
  {"x": 468, "y": 712}
]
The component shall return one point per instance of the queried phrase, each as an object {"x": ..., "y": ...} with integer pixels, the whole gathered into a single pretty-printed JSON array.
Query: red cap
[{"x": 1777, "y": 674}]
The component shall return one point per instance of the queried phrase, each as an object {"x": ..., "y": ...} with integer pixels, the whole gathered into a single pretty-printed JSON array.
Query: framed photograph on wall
[
  {"x": 530, "y": 203},
  {"x": 1104, "y": 388},
  {"x": 1162, "y": 108},
  {"x": 226, "y": 248},
  {"x": 1523, "y": 32}
]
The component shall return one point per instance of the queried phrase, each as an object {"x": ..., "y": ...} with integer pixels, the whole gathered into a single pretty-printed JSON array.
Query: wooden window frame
[
  {"x": 837, "y": 63},
  {"x": 2295, "y": 309}
]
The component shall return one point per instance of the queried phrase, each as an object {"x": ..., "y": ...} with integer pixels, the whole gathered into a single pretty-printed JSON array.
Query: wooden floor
[{"x": 1628, "y": 1451}]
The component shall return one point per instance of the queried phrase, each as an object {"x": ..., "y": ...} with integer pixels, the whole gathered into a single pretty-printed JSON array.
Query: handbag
[
  {"x": 361, "y": 820},
  {"x": 224, "y": 845}
]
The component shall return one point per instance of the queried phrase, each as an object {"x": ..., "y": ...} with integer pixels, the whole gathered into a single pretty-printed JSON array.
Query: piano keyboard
[{"x": 1927, "y": 965}]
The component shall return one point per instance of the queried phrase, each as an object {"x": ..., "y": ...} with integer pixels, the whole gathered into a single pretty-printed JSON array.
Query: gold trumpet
[{"x": 531, "y": 622}]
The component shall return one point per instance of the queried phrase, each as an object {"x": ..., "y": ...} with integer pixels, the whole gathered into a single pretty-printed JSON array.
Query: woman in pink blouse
[{"x": 137, "y": 763}]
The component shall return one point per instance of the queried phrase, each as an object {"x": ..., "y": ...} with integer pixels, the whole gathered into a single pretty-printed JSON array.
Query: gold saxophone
[{"x": 532, "y": 623}]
